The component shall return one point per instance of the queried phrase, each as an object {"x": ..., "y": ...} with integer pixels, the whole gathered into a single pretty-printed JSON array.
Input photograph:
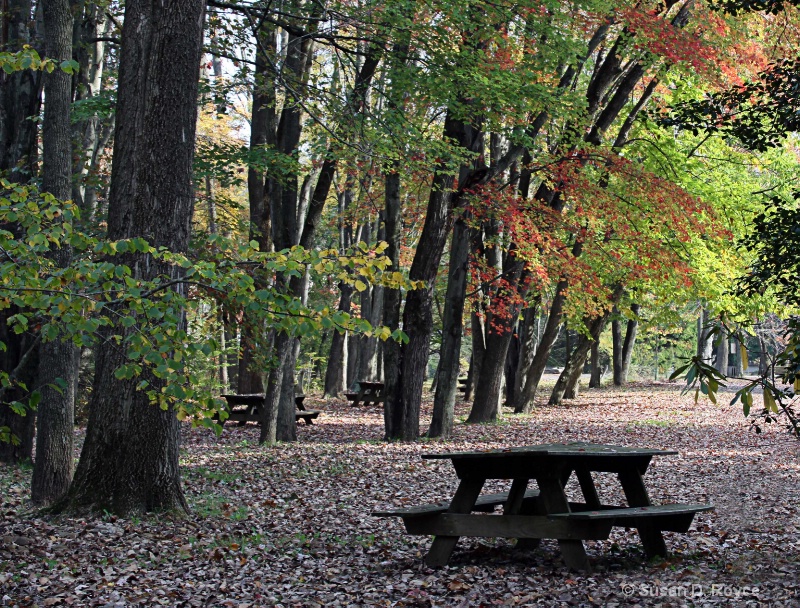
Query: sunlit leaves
[{"x": 103, "y": 289}]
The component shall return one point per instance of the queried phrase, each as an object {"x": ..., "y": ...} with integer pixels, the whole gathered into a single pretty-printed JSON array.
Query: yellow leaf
[
  {"x": 182, "y": 415},
  {"x": 744, "y": 358},
  {"x": 769, "y": 401},
  {"x": 360, "y": 285}
]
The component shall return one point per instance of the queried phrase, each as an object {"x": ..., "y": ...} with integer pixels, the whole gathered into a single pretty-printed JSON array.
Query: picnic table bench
[
  {"x": 368, "y": 392},
  {"x": 245, "y": 408},
  {"x": 532, "y": 514}
]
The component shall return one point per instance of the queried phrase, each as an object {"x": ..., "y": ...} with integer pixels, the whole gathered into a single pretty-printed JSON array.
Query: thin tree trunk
[
  {"x": 630, "y": 341},
  {"x": 452, "y": 332},
  {"x": 567, "y": 383},
  {"x": 594, "y": 380},
  {"x": 54, "y": 466},
  {"x": 616, "y": 340},
  {"x": 722, "y": 352},
  {"x": 551, "y": 330}
]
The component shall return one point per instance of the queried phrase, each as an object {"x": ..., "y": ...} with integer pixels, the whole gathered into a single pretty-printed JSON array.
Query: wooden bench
[
  {"x": 484, "y": 504},
  {"x": 368, "y": 392},
  {"x": 245, "y": 408},
  {"x": 669, "y": 517}
]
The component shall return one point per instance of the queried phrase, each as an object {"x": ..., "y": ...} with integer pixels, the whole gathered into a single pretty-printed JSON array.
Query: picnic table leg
[
  {"x": 463, "y": 501},
  {"x": 636, "y": 494},
  {"x": 513, "y": 506},
  {"x": 555, "y": 501},
  {"x": 588, "y": 488}
]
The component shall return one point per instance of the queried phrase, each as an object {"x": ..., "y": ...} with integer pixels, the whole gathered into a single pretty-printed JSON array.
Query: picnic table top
[
  {"x": 366, "y": 384},
  {"x": 575, "y": 449}
]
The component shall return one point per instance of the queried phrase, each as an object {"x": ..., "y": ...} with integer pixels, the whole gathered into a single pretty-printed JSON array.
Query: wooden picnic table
[
  {"x": 531, "y": 514},
  {"x": 368, "y": 392},
  {"x": 246, "y": 408}
]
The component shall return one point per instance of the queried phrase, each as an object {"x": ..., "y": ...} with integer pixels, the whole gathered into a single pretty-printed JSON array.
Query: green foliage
[
  {"x": 29, "y": 59},
  {"x": 101, "y": 292}
]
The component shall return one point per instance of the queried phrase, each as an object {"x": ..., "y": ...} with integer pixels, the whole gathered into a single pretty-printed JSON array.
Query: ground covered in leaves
[{"x": 291, "y": 525}]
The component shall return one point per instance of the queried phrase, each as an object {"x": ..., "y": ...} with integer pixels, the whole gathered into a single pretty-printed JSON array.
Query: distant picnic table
[
  {"x": 247, "y": 408},
  {"x": 368, "y": 392},
  {"x": 531, "y": 514}
]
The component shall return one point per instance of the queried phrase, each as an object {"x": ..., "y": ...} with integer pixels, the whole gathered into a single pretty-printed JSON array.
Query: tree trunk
[
  {"x": 417, "y": 316},
  {"x": 722, "y": 352},
  {"x": 20, "y": 99},
  {"x": 704, "y": 341},
  {"x": 54, "y": 466},
  {"x": 616, "y": 358},
  {"x": 478, "y": 353},
  {"x": 129, "y": 463},
  {"x": 263, "y": 127},
  {"x": 452, "y": 331},
  {"x": 630, "y": 341},
  {"x": 392, "y": 301},
  {"x": 529, "y": 342},
  {"x": 335, "y": 374},
  {"x": 594, "y": 380},
  {"x": 92, "y": 28},
  {"x": 551, "y": 330},
  {"x": 488, "y": 395},
  {"x": 568, "y": 380}
]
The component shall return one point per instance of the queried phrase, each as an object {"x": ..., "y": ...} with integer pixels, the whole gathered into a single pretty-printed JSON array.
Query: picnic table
[
  {"x": 368, "y": 392},
  {"x": 246, "y": 408},
  {"x": 532, "y": 514}
]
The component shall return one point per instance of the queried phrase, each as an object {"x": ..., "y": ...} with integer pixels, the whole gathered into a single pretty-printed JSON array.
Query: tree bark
[
  {"x": 630, "y": 341},
  {"x": 567, "y": 383},
  {"x": 704, "y": 342},
  {"x": 596, "y": 376},
  {"x": 20, "y": 99},
  {"x": 452, "y": 331},
  {"x": 129, "y": 463},
  {"x": 721, "y": 363},
  {"x": 551, "y": 330},
  {"x": 54, "y": 466}
]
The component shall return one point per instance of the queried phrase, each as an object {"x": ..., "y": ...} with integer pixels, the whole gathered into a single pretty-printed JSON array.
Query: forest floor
[{"x": 291, "y": 525}]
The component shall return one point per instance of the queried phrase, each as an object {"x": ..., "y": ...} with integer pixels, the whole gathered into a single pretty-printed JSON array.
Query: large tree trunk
[
  {"x": 54, "y": 466},
  {"x": 20, "y": 99},
  {"x": 452, "y": 332},
  {"x": 392, "y": 302},
  {"x": 129, "y": 463}
]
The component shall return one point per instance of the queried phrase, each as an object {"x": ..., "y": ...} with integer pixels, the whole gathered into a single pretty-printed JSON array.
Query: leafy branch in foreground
[
  {"x": 101, "y": 289},
  {"x": 779, "y": 385}
]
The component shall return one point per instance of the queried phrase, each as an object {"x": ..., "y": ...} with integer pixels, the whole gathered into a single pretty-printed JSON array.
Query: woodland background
[{"x": 298, "y": 195}]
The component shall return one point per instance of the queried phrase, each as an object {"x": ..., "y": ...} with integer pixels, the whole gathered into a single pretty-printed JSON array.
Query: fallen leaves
[{"x": 290, "y": 525}]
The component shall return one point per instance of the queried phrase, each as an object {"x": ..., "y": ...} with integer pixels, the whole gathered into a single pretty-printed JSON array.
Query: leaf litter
[{"x": 291, "y": 526}]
